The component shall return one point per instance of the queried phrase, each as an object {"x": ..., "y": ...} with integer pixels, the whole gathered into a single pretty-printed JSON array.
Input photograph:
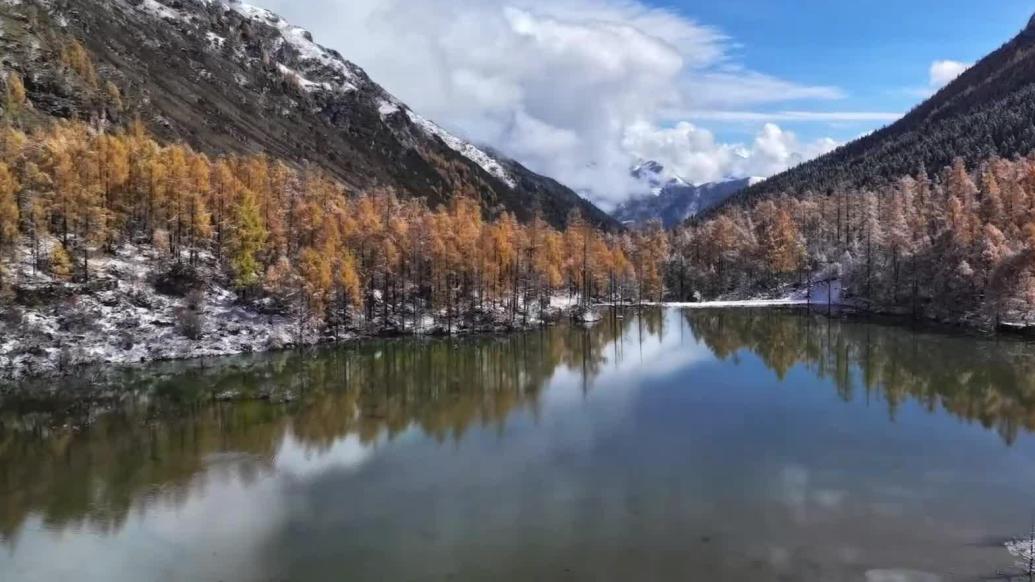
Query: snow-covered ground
[
  {"x": 821, "y": 293},
  {"x": 744, "y": 303},
  {"x": 120, "y": 319}
]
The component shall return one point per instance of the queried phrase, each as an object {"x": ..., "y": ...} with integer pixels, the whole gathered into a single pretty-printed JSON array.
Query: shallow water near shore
[{"x": 738, "y": 444}]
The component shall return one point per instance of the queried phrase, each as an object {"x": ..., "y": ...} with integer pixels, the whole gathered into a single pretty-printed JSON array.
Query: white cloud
[
  {"x": 564, "y": 86},
  {"x": 694, "y": 154},
  {"x": 796, "y": 116},
  {"x": 944, "y": 72}
]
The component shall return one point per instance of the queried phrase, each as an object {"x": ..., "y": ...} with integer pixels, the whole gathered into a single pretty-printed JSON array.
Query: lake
[{"x": 668, "y": 445}]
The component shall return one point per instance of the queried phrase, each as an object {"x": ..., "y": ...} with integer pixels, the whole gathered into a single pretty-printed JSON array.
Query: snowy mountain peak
[
  {"x": 671, "y": 199},
  {"x": 656, "y": 177}
]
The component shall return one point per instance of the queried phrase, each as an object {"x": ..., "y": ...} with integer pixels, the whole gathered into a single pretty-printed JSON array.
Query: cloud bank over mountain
[{"x": 575, "y": 89}]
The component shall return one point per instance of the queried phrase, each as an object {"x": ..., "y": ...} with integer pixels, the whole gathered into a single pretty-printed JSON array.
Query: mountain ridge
[{"x": 983, "y": 113}]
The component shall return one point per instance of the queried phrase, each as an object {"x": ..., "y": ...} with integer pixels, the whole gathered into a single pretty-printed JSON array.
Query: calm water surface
[{"x": 677, "y": 445}]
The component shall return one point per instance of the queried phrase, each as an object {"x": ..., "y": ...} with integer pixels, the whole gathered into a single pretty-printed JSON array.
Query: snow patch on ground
[
  {"x": 306, "y": 84},
  {"x": 564, "y": 301},
  {"x": 822, "y": 293},
  {"x": 161, "y": 10},
  {"x": 215, "y": 40},
  {"x": 733, "y": 304},
  {"x": 126, "y": 321},
  {"x": 387, "y": 108},
  {"x": 120, "y": 319}
]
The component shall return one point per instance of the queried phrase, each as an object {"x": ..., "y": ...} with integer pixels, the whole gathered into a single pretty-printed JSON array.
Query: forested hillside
[
  {"x": 228, "y": 78},
  {"x": 988, "y": 111},
  {"x": 959, "y": 247},
  {"x": 115, "y": 247}
]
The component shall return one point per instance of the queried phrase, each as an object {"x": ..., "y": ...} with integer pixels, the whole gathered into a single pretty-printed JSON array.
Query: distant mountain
[
  {"x": 988, "y": 111},
  {"x": 230, "y": 78},
  {"x": 671, "y": 199}
]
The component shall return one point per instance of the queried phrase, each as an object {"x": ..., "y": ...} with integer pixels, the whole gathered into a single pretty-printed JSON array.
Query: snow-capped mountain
[
  {"x": 656, "y": 177},
  {"x": 666, "y": 197},
  {"x": 228, "y": 77}
]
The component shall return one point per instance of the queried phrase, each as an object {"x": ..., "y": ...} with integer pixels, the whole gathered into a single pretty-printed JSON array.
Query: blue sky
[
  {"x": 581, "y": 90},
  {"x": 877, "y": 51}
]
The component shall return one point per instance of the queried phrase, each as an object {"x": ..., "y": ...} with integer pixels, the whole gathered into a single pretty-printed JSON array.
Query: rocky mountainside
[
  {"x": 227, "y": 77},
  {"x": 671, "y": 199},
  {"x": 988, "y": 111}
]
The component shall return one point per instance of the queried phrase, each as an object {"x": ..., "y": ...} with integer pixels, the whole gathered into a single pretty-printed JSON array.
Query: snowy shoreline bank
[
  {"x": 39, "y": 350},
  {"x": 121, "y": 319},
  {"x": 40, "y": 347}
]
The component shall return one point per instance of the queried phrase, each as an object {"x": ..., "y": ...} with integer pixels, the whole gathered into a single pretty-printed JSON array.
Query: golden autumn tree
[
  {"x": 114, "y": 172},
  {"x": 249, "y": 237},
  {"x": 199, "y": 223},
  {"x": 785, "y": 252},
  {"x": 114, "y": 96},
  {"x": 9, "y": 214},
  {"x": 60, "y": 263},
  {"x": 223, "y": 191},
  {"x": 317, "y": 278},
  {"x": 15, "y": 97},
  {"x": 348, "y": 283}
]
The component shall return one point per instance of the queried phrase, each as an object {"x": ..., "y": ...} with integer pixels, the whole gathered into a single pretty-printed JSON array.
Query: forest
[
  {"x": 289, "y": 239},
  {"x": 960, "y": 246},
  {"x": 956, "y": 244}
]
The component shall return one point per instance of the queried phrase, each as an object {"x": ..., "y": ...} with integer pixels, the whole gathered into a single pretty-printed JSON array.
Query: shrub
[
  {"x": 179, "y": 281},
  {"x": 76, "y": 318},
  {"x": 68, "y": 359},
  {"x": 127, "y": 339},
  {"x": 60, "y": 263},
  {"x": 12, "y": 316},
  {"x": 191, "y": 324},
  {"x": 195, "y": 300}
]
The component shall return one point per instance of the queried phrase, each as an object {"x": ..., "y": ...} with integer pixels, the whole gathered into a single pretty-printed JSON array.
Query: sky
[{"x": 582, "y": 90}]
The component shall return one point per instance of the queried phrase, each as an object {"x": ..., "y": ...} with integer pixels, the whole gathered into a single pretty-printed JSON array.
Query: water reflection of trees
[
  {"x": 92, "y": 451},
  {"x": 982, "y": 380},
  {"x": 95, "y": 449}
]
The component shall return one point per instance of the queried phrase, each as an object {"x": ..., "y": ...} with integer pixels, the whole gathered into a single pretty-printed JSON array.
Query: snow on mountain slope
[
  {"x": 478, "y": 156},
  {"x": 320, "y": 60},
  {"x": 301, "y": 40}
]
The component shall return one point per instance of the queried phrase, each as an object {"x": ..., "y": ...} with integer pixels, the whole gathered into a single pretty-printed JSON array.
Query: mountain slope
[
  {"x": 988, "y": 111},
  {"x": 228, "y": 77},
  {"x": 671, "y": 199}
]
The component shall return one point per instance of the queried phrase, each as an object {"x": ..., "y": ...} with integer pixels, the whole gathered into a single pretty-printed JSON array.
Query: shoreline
[
  {"x": 13, "y": 371},
  {"x": 855, "y": 312},
  {"x": 47, "y": 365},
  {"x": 121, "y": 318}
]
